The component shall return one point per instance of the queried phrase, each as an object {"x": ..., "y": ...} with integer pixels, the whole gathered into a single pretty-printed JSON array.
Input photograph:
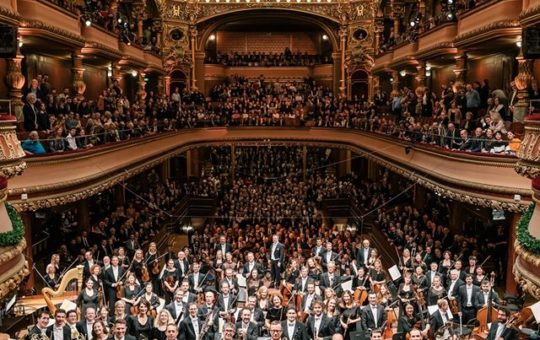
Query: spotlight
[
  {"x": 88, "y": 22},
  {"x": 21, "y": 43},
  {"x": 450, "y": 16},
  {"x": 450, "y": 2},
  {"x": 109, "y": 73},
  {"x": 212, "y": 37},
  {"x": 324, "y": 37},
  {"x": 391, "y": 79},
  {"x": 119, "y": 20},
  {"x": 403, "y": 73},
  {"x": 518, "y": 44},
  {"x": 428, "y": 68},
  {"x": 134, "y": 73},
  {"x": 428, "y": 73},
  {"x": 412, "y": 23}
]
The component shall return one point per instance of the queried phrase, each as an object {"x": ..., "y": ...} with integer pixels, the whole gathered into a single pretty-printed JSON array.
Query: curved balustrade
[{"x": 64, "y": 178}]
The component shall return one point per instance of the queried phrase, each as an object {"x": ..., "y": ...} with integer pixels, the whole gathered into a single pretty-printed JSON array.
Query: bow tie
[{"x": 318, "y": 318}]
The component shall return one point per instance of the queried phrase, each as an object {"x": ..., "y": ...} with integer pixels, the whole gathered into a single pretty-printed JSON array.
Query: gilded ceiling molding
[
  {"x": 92, "y": 45},
  {"x": 477, "y": 34},
  {"x": 12, "y": 283},
  {"x": 55, "y": 32},
  {"x": 9, "y": 253},
  {"x": 530, "y": 14},
  {"x": 9, "y": 16}
]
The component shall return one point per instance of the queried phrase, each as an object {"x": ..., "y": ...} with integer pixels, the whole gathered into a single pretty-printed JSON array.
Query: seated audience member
[{"x": 32, "y": 145}]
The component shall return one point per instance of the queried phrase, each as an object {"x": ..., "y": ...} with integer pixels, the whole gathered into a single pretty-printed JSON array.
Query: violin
[
  {"x": 145, "y": 276},
  {"x": 155, "y": 267},
  {"x": 120, "y": 293}
]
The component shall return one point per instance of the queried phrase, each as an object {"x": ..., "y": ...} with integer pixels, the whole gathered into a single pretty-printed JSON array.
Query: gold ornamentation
[
  {"x": 59, "y": 32},
  {"x": 9, "y": 253},
  {"x": 13, "y": 283},
  {"x": 487, "y": 29},
  {"x": 529, "y": 281}
]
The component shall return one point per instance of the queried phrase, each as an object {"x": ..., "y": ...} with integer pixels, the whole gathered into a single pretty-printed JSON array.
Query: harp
[{"x": 53, "y": 297}]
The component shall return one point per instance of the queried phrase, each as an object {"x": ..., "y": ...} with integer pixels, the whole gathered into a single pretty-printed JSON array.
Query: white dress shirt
[{"x": 290, "y": 328}]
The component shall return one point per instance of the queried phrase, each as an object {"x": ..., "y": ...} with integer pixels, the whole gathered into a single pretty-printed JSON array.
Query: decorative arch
[
  {"x": 210, "y": 24},
  {"x": 360, "y": 85},
  {"x": 178, "y": 78}
]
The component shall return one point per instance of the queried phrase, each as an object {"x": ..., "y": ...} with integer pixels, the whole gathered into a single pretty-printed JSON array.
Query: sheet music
[
  {"x": 394, "y": 272},
  {"x": 536, "y": 311},
  {"x": 432, "y": 309},
  {"x": 347, "y": 285}
]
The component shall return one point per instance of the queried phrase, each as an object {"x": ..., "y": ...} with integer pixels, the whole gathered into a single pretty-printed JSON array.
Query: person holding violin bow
[
  {"x": 171, "y": 280},
  {"x": 152, "y": 264},
  {"x": 500, "y": 329},
  {"x": 466, "y": 299},
  {"x": 410, "y": 320},
  {"x": 132, "y": 292},
  {"x": 112, "y": 279}
]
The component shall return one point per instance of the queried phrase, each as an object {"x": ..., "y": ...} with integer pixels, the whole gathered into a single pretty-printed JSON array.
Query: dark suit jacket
[
  {"x": 187, "y": 332},
  {"x": 228, "y": 248},
  {"x": 172, "y": 309},
  {"x": 81, "y": 327},
  {"x": 368, "y": 321},
  {"x": 126, "y": 337},
  {"x": 326, "y": 329},
  {"x": 325, "y": 282},
  {"x": 436, "y": 321},
  {"x": 36, "y": 330},
  {"x": 66, "y": 329},
  {"x": 507, "y": 334},
  {"x": 300, "y": 331},
  {"x": 360, "y": 260},
  {"x": 479, "y": 300},
  {"x": 320, "y": 253},
  {"x": 298, "y": 285},
  {"x": 256, "y": 265},
  {"x": 279, "y": 253},
  {"x": 108, "y": 280},
  {"x": 333, "y": 257},
  {"x": 455, "y": 291},
  {"x": 231, "y": 304},
  {"x": 186, "y": 267},
  {"x": 201, "y": 283},
  {"x": 428, "y": 277},
  {"x": 462, "y": 296},
  {"x": 252, "y": 330}
]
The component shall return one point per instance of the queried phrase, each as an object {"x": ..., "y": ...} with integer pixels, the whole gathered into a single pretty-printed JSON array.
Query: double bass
[{"x": 486, "y": 315}]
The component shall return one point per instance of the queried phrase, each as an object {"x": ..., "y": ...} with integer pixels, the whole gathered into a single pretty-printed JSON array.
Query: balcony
[
  {"x": 489, "y": 20},
  {"x": 64, "y": 178},
  {"x": 134, "y": 56},
  {"x": 437, "y": 41},
  {"x": 99, "y": 40},
  {"x": 8, "y": 13},
  {"x": 153, "y": 61},
  {"x": 46, "y": 19},
  {"x": 404, "y": 53},
  {"x": 383, "y": 61},
  {"x": 216, "y": 71}
]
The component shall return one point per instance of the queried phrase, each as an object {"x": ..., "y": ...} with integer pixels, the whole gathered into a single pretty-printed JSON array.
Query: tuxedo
[
  {"x": 231, "y": 304},
  {"x": 65, "y": 330},
  {"x": 249, "y": 267},
  {"x": 466, "y": 301},
  {"x": 335, "y": 284},
  {"x": 131, "y": 246},
  {"x": 83, "y": 329},
  {"x": 30, "y": 113},
  {"x": 108, "y": 279},
  {"x": 301, "y": 284},
  {"x": 329, "y": 256},
  {"x": 299, "y": 333},
  {"x": 305, "y": 301},
  {"x": 454, "y": 291},
  {"x": 325, "y": 330},
  {"x": 171, "y": 307},
  {"x": 36, "y": 330},
  {"x": 189, "y": 297},
  {"x": 430, "y": 275},
  {"x": 225, "y": 248},
  {"x": 201, "y": 282},
  {"x": 506, "y": 334},
  {"x": 233, "y": 284},
  {"x": 368, "y": 318},
  {"x": 362, "y": 256},
  {"x": 480, "y": 299},
  {"x": 178, "y": 266},
  {"x": 252, "y": 330},
  {"x": 318, "y": 251},
  {"x": 86, "y": 269},
  {"x": 126, "y": 337},
  {"x": 277, "y": 256},
  {"x": 437, "y": 321},
  {"x": 258, "y": 317},
  {"x": 187, "y": 329}
]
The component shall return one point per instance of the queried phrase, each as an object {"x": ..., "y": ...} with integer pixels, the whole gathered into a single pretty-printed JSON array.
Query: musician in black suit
[
  {"x": 192, "y": 325},
  {"x": 59, "y": 326},
  {"x": 329, "y": 256},
  {"x": 319, "y": 325},
  {"x": 197, "y": 281},
  {"x": 131, "y": 245},
  {"x": 119, "y": 331},
  {"x": 466, "y": 299},
  {"x": 223, "y": 246},
  {"x": 432, "y": 272},
  {"x": 318, "y": 250},
  {"x": 226, "y": 301},
  {"x": 182, "y": 264},
  {"x": 86, "y": 325},
  {"x": 257, "y": 314},
  {"x": 232, "y": 280},
  {"x": 277, "y": 257},
  {"x": 111, "y": 279},
  {"x": 310, "y": 297},
  {"x": 362, "y": 254},
  {"x": 441, "y": 316},
  {"x": 252, "y": 264},
  {"x": 500, "y": 329},
  {"x": 187, "y": 296},
  {"x": 485, "y": 294},
  {"x": 373, "y": 315},
  {"x": 177, "y": 307},
  {"x": 41, "y": 327},
  {"x": 88, "y": 264},
  {"x": 302, "y": 281},
  {"x": 330, "y": 279},
  {"x": 245, "y": 328},
  {"x": 293, "y": 329}
]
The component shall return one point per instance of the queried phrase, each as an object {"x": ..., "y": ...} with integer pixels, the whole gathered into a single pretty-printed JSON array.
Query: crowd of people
[
  {"x": 267, "y": 59},
  {"x": 252, "y": 274},
  {"x": 472, "y": 117}
]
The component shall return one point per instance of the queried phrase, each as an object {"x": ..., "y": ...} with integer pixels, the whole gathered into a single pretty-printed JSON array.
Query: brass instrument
[{"x": 49, "y": 293}]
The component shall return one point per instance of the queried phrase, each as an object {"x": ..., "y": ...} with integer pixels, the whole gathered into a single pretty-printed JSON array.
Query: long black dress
[
  {"x": 349, "y": 313},
  {"x": 141, "y": 331}
]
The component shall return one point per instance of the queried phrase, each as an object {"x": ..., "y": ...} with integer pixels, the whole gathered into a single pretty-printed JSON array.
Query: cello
[{"x": 486, "y": 315}]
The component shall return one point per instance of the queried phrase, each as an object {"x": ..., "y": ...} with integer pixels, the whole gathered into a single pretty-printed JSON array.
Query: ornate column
[
  {"x": 15, "y": 81},
  {"x": 193, "y": 34},
  {"x": 342, "y": 46},
  {"x": 138, "y": 12},
  {"x": 421, "y": 73},
  {"x": 167, "y": 85},
  {"x": 13, "y": 241},
  {"x": 379, "y": 29},
  {"x": 141, "y": 92},
  {"x": 527, "y": 244},
  {"x": 397, "y": 10},
  {"x": 77, "y": 72},
  {"x": 461, "y": 68},
  {"x": 523, "y": 80}
]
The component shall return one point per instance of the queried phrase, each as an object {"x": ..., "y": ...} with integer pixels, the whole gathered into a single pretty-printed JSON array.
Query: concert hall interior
[{"x": 269, "y": 169}]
